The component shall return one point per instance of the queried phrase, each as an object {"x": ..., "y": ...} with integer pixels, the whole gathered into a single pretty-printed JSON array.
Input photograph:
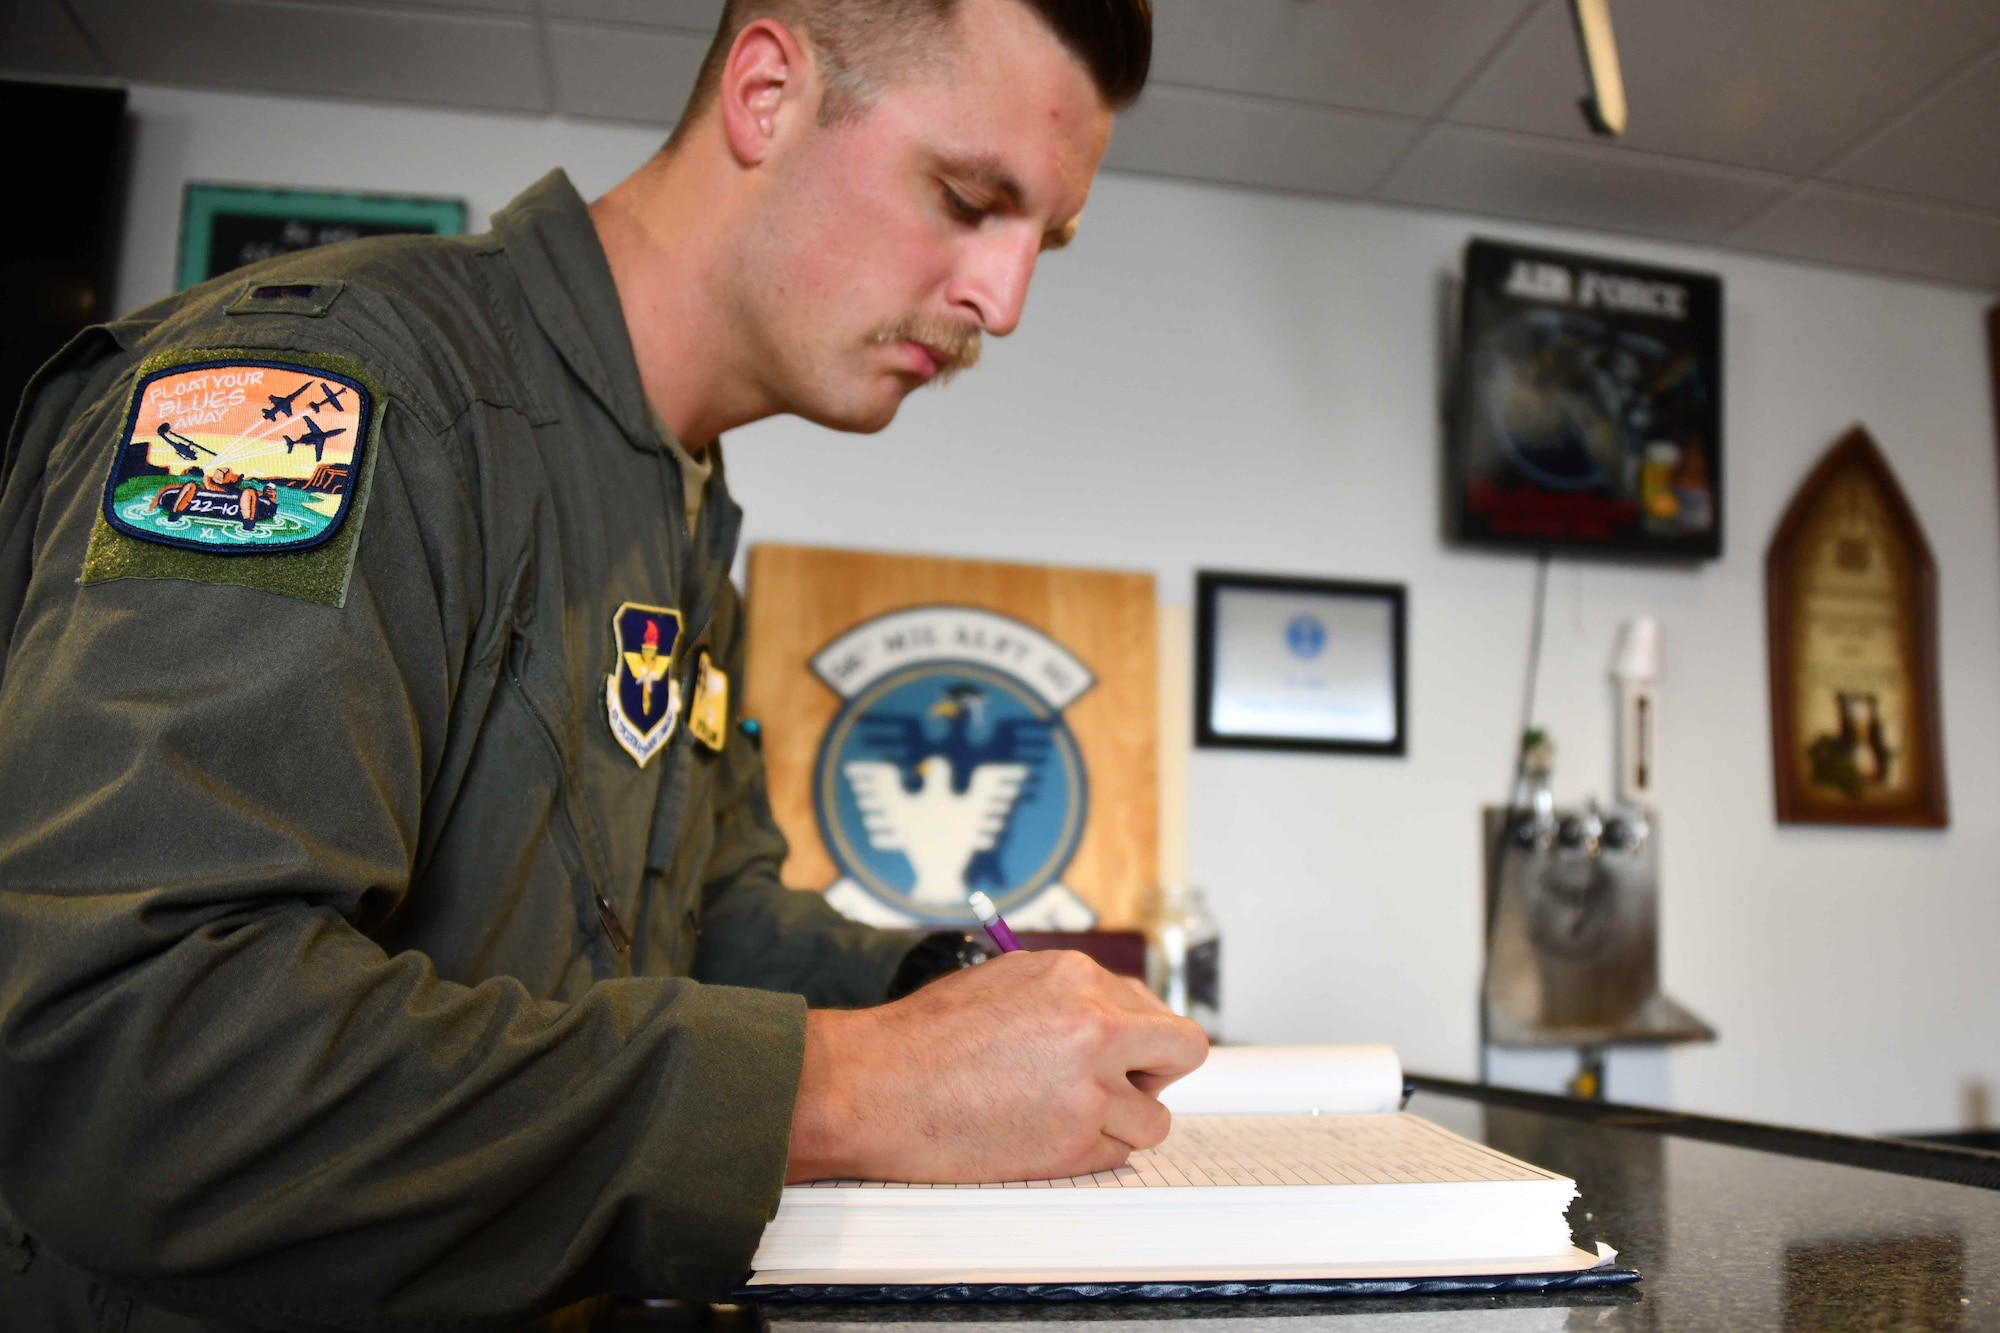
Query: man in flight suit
[{"x": 390, "y": 923}]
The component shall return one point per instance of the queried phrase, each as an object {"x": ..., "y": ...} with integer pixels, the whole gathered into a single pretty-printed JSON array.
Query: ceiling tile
[
  {"x": 37, "y": 37},
  {"x": 1256, "y": 141},
  {"x": 1948, "y": 149},
  {"x": 1842, "y": 226},
  {"x": 454, "y": 59},
  {"x": 701, "y": 16},
  {"x": 624, "y": 73},
  {"x": 1577, "y": 185},
  {"x": 1403, "y": 56},
  {"x": 1776, "y": 84}
]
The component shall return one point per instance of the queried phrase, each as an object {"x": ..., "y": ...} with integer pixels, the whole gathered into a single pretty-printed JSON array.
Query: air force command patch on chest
[
  {"x": 642, "y": 695},
  {"x": 236, "y": 456}
]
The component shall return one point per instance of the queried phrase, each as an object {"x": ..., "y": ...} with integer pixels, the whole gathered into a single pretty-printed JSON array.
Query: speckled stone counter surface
[{"x": 1725, "y": 1237}]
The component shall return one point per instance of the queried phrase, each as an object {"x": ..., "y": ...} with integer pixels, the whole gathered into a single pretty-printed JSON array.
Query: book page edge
[{"x": 1576, "y": 1261}]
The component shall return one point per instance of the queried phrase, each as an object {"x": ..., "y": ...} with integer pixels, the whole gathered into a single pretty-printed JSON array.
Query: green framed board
[{"x": 224, "y": 227}]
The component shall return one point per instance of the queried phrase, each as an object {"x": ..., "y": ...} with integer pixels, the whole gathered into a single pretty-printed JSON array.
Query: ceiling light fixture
[{"x": 1604, "y": 108}]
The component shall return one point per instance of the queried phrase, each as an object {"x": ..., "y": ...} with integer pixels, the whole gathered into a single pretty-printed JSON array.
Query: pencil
[{"x": 989, "y": 917}]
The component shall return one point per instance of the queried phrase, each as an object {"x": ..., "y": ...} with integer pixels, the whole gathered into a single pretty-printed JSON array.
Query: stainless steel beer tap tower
[{"x": 1572, "y": 928}]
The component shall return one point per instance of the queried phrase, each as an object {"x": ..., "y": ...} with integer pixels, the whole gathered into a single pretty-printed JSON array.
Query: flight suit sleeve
[
  {"x": 216, "y": 1092},
  {"x": 754, "y": 930}
]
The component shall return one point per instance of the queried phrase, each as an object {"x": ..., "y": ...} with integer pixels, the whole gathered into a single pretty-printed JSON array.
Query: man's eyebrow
[
  {"x": 988, "y": 173},
  {"x": 1060, "y": 236}
]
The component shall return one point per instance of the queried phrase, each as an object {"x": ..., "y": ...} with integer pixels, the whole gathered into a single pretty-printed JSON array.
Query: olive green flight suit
[{"x": 311, "y": 1006}]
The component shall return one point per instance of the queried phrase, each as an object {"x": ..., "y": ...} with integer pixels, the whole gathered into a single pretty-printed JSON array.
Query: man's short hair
[{"x": 863, "y": 46}]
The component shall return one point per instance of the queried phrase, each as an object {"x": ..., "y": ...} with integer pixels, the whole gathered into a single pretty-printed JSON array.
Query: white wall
[{"x": 1232, "y": 379}]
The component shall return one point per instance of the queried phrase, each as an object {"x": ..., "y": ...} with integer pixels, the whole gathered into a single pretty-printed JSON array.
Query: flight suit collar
[
  {"x": 554, "y": 250},
  {"x": 553, "y": 247}
]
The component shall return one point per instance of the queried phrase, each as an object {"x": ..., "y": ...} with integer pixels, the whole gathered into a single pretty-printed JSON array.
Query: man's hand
[{"x": 1028, "y": 1066}]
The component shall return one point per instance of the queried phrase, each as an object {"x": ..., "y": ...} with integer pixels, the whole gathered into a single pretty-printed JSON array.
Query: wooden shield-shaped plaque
[{"x": 1852, "y": 599}]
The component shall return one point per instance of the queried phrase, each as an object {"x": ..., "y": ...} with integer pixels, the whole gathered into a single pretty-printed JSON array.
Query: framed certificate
[{"x": 1298, "y": 664}]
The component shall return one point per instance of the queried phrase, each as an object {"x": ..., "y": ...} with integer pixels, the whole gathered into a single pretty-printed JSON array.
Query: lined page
[{"x": 1261, "y": 1150}]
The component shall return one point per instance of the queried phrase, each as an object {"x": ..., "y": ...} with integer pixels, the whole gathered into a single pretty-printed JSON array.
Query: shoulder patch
[
  {"x": 247, "y": 468},
  {"x": 239, "y": 457}
]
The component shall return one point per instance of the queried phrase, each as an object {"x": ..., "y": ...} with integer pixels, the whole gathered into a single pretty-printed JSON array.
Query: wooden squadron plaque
[
  {"x": 1852, "y": 595},
  {"x": 936, "y": 726}
]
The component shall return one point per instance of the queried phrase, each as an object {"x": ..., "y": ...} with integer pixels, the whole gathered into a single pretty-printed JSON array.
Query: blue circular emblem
[
  {"x": 945, "y": 777},
  {"x": 1305, "y": 636}
]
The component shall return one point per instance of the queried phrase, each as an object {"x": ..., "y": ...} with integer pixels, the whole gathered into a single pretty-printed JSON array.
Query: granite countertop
[{"x": 1724, "y": 1237}]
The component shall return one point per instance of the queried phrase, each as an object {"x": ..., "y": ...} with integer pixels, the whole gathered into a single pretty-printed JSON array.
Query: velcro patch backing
[{"x": 240, "y": 467}]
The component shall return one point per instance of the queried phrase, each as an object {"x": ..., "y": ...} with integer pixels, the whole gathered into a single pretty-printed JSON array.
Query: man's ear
[{"x": 766, "y": 84}]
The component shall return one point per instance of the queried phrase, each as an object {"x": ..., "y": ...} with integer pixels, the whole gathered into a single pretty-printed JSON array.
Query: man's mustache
[{"x": 954, "y": 343}]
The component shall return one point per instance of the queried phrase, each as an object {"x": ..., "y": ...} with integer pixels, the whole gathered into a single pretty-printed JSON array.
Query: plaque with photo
[{"x": 1852, "y": 594}]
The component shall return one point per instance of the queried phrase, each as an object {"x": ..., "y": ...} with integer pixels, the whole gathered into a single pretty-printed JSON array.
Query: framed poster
[
  {"x": 224, "y": 227},
  {"x": 1852, "y": 602},
  {"x": 1298, "y": 664},
  {"x": 1587, "y": 412}
]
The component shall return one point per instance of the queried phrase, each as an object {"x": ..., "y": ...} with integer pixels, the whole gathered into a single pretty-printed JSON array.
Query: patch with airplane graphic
[
  {"x": 949, "y": 769},
  {"x": 642, "y": 694},
  {"x": 240, "y": 456}
]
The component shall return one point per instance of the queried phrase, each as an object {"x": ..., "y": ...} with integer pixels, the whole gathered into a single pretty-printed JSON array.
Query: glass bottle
[{"x": 1188, "y": 945}]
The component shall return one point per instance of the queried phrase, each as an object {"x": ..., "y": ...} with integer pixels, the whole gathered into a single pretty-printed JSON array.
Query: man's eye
[{"x": 961, "y": 207}]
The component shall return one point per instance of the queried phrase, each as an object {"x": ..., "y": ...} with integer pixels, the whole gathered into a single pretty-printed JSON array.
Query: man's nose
[{"x": 993, "y": 282}]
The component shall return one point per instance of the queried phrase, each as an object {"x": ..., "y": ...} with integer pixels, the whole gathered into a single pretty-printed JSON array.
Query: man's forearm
[{"x": 759, "y": 933}]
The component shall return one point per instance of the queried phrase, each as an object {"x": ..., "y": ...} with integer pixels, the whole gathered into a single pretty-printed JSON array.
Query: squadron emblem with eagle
[{"x": 950, "y": 769}]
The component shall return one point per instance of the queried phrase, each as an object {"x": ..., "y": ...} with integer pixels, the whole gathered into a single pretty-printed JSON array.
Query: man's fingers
[
  {"x": 1161, "y": 1045},
  {"x": 1108, "y": 1155},
  {"x": 1153, "y": 1082},
  {"x": 1137, "y": 1119}
]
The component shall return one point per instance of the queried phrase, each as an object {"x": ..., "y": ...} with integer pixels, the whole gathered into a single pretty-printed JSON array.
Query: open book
[{"x": 1285, "y": 1164}]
